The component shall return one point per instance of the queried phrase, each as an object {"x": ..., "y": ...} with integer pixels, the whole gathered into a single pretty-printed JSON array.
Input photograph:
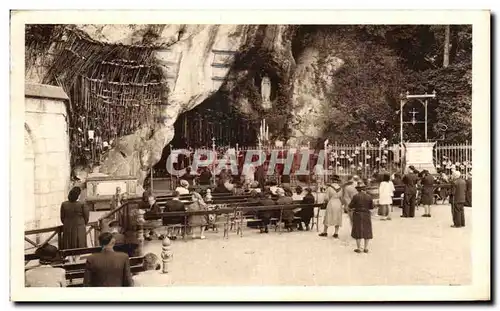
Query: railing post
[
  {"x": 140, "y": 232},
  {"x": 166, "y": 254},
  {"x": 59, "y": 238}
]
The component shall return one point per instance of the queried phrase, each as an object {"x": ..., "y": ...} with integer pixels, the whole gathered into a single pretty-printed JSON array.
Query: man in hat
[
  {"x": 349, "y": 193},
  {"x": 458, "y": 201},
  {"x": 107, "y": 268},
  {"x": 45, "y": 275},
  {"x": 410, "y": 192},
  {"x": 468, "y": 192}
]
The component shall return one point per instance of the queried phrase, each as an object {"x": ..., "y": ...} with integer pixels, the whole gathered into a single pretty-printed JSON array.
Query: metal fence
[
  {"x": 457, "y": 156},
  {"x": 363, "y": 160}
]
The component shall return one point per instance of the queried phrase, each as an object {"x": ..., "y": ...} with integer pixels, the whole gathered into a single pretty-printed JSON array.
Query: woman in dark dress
[
  {"x": 361, "y": 206},
  {"x": 427, "y": 193},
  {"x": 74, "y": 217}
]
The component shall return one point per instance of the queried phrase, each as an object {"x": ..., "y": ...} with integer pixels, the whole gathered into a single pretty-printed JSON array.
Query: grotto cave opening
[{"x": 216, "y": 117}]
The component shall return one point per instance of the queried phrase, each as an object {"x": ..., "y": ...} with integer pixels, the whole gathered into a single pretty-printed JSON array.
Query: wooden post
[
  {"x": 214, "y": 178},
  {"x": 446, "y": 52},
  {"x": 140, "y": 232},
  {"x": 166, "y": 253}
]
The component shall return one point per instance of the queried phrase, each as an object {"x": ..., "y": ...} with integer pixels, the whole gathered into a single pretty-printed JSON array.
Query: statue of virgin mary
[{"x": 265, "y": 89}]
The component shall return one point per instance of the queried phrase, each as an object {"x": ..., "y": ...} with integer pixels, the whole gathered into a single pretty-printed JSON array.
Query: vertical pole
[
  {"x": 335, "y": 159},
  {"x": 425, "y": 104},
  {"x": 214, "y": 162},
  {"x": 401, "y": 105},
  {"x": 166, "y": 254},
  {"x": 325, "y": 146},
  {"x": 171, "y": 168},
  {"x": 151, "y": 153},
  {"x": 140, "y": 231},
  {"x": 309, "y": 164},
  {"x": 436, "y": 159}
]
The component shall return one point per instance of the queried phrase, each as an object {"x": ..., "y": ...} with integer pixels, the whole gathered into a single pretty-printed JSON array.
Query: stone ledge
[{"x": 44, "y": 91}]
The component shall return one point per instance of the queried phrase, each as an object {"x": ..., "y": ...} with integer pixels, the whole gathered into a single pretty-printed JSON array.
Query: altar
[{"x": 420, "y": 155}]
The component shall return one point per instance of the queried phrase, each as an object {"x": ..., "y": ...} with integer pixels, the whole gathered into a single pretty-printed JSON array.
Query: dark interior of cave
[{"x": 214, "y": 118}]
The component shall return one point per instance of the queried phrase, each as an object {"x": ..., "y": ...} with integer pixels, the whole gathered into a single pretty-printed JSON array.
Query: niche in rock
[
  {"x": 267, "y": 84},
  {"x": 215, "y": 118}
]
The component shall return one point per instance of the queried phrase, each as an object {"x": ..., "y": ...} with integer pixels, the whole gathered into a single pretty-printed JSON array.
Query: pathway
[{"x": 418, "y": 251}]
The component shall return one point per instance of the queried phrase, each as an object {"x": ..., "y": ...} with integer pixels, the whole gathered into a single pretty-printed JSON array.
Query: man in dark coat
[
  {"x": 410, "y": 193},
  {"x": 266, "y": 215},
  {"x": 107, "y": 268},
  {"x": 468, "y": 193},
  {"x": 459, "y": 188},
  {"x": 174, "y": 205}
]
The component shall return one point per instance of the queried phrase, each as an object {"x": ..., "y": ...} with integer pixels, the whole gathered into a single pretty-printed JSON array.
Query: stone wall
[{"x": 47, "y": 159}]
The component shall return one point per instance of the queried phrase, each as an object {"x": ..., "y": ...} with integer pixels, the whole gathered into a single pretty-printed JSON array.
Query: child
[{"x": 386, "y": 192}]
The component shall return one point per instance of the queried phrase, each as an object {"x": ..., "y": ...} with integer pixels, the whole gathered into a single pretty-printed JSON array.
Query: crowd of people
[{"x": 111, "y": 268}]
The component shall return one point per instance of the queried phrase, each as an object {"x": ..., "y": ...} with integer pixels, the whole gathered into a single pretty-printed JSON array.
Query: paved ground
[{"x": 418, "y": 251}]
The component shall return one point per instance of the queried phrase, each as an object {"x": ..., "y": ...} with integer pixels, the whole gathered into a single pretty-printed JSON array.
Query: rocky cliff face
[{"x": 199, "y": 60}]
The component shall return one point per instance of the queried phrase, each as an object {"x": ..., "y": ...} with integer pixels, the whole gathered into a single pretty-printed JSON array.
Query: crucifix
[
  {"x": 413, "y": 113},
  {"x": 422, "y": 98}
]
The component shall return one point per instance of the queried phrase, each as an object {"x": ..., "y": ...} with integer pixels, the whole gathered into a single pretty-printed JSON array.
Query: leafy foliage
[{"x": 381, "y": 62}]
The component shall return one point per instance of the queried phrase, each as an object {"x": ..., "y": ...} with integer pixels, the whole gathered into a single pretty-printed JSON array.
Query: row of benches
[{"x": 75, "y": 271}]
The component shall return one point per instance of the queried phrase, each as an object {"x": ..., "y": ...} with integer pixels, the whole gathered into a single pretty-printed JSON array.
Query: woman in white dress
[
  {"x": 385, "y": 193},
  {"x": 333, "y": 213}
]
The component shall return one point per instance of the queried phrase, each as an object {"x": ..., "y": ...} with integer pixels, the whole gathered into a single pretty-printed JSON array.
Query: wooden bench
[
  {"x": 232, "y": 216},
  {"x": 75, "y": 271}
]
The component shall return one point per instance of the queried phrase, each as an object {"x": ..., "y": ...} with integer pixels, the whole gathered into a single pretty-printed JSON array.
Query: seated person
[
  {"x": 224, "y": 187},
  {"x": 152, "y": 276},
  {"x": 115, "y": 230},
  {"x": 189, "y": 176},
  {"x": 152, "y": 209},
  {"x": 174, "y": 205},
  {"x": 183, "y": 187},
  {"x": 285, "y": 180},
  {"x": 266, "y": 215},
  {"x": 205, "y": 178},
  {"x": 273, "y": 186},
  {"x": 298, "y": 195},
  {"x": 45, "y": 275},
  {"x": 285, "y": 198},
  {"x": 306, "y": 213}
]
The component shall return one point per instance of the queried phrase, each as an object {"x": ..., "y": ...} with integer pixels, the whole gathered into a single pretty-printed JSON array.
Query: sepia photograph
[{"x": 337, "y": 152}]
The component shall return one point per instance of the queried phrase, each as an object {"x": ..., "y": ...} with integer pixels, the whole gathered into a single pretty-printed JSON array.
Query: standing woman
[
  {"x": 361, "y": 205},
  {"x": 333, "y": 213},
  {"x": 427, "y": 193},
  {"x": 386, "y": 192},
  {"x": 74, "y": 217}
]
